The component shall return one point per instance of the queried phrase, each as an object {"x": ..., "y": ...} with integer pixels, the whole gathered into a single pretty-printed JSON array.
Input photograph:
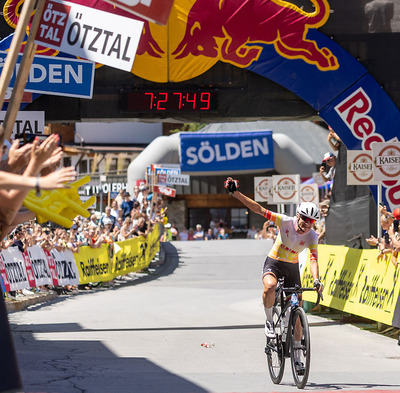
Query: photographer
[{"x": 327, "y": 169}]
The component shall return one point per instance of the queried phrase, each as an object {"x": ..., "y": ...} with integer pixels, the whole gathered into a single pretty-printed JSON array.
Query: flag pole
[
  {"x": 23, "y": 72},
  {"x": 16, "y": 42}
]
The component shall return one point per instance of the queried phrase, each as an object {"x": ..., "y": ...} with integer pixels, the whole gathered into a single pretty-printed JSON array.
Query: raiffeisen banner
[{"x": 228, "y": 151}]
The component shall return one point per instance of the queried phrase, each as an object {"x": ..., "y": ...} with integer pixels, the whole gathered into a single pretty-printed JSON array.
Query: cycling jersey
[{"x": 289, "y": 243}]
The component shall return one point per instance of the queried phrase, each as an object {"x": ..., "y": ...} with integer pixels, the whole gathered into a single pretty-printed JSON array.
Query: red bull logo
[{"x": 231, "y": 29}]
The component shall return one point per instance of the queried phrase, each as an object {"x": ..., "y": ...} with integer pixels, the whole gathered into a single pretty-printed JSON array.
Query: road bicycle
[{"x": 292, "y": 335}]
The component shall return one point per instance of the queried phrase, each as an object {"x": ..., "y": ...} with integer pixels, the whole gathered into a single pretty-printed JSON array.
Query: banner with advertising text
[
  {"x": 355, "y": 281},
  {"x": 36, "y": 266}
]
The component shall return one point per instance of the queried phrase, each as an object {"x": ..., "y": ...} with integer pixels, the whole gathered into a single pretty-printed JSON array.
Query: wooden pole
[
  {"x": 15, "y": 47},
  {"x": 23, "y": 72}
]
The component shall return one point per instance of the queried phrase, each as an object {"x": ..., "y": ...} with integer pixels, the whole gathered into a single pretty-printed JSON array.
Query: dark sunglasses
[{"x": 307, "y": 219}]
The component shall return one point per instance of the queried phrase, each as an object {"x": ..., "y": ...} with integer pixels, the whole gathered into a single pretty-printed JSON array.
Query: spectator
[
  {"x": 199, "y": 233},
  {"x": 120, "y": 197},
  {"x": 126, "y": 205},
  {"x": 119, "y": 222},
  {"x": 191, "y": 234},
  {"x": 183, "y": 235},
  {"x": 174, "y": 232},
  {"x": 115, "y": 210},
  {"x": 320, "y": 226},
  {"x": 329, "y": 160},
  {"x": 167, "y": 235},
  {"x": 209, "y": 235},
  {"x": 93, "y": 221},
  {"x": 107, "y": 216},
  {"x": 141, "y": 228},
  {"x": 251, "y": 233},
  {"x": 72, "y": 244},
  {"x": 18, "y": 239},
  {"x": 222, "y": 235},
  {"x": 126, "y": 230}
]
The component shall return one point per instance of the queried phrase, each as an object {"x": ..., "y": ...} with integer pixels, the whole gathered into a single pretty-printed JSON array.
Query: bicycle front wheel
[
  {"x": 300, "y": 347},
  {"x": 274, "y": 351}
]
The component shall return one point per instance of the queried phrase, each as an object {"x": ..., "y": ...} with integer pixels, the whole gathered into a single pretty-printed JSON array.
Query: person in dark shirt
[
  {"x": 126, "y": 205},
  {"x": 19, "y": 239}
]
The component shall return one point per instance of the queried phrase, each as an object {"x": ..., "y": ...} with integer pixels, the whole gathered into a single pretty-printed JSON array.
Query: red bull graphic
[{"x": 230, "y": 30}]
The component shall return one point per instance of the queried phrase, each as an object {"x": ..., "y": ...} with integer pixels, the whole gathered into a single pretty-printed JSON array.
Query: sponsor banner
[
  {"x": 89, "y": 33},
  {"x": 226, "y": 151},
  {"x": 126, "y": 259},
  {"x": 153, "y": 10},
  {"x": 52, "y": 267},
  {"x": 180, "y": 180},
  {"x": 31, "y": 122},
  {"x": 5, "y": 282},
  {"x": 309, "y": 193},
  {"x": 359, "y": 168},
  {"x": 355, "y": 282},
  {"x": 56, "y": 76},
  {"x": 67, "y": 271},
  {"x": 40, "y": 266},
  {"x": 167, "y": 191},
  {"x": 14, "y": 266},
  {"x": 93, "y": 264},
  {"x": 286, "y": 188},
  {"x": 263, "y": 189},
  {"x": 386, "y": 161}
]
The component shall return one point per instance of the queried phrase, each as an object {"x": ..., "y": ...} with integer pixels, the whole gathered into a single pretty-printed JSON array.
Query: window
[
  {"x": 83, "y": 167},
  {"x": 239, "y": 218},
  {"x": 67, "y": 161}
]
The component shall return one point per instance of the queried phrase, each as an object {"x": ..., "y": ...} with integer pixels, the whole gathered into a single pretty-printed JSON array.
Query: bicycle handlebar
[{"x": 303, "y": 289}]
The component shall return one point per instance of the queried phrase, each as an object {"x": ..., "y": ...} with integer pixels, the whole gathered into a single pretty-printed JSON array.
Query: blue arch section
[{"x": 349, "y": 99}]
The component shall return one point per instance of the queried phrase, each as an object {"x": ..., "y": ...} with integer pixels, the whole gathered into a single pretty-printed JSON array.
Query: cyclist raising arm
[{"x": 295, "y": 235}]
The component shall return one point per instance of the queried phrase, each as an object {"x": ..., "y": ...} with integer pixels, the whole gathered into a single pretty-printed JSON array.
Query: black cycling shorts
[{"x": 289, "y": 271}]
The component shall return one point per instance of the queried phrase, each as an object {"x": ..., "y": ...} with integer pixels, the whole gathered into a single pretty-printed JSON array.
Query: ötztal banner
[{"x": 90, "y": 33}]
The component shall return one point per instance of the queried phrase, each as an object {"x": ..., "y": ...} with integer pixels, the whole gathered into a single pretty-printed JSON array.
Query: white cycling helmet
[{"x": 309, "y": 210}]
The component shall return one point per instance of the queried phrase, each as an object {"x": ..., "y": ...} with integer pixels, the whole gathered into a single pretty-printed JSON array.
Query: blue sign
[
  {"x": 57, "y": 76},
  {"x": 226, "y": 151}
]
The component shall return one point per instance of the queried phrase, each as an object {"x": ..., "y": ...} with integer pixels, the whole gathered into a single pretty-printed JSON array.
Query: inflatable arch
[{"x": 279, "y": 41}]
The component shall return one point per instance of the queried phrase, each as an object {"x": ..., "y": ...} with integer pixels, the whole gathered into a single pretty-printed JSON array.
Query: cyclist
[{"x": 295, "y": 235}]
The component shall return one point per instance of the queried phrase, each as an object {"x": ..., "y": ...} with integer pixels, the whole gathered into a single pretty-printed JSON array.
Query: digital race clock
[{"x": 170, "y": 100}]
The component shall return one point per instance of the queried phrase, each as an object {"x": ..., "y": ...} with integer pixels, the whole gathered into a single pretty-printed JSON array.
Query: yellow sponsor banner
[
  {"x": 356, "y": 282},
  {"x": 93, "y": 264},
  {"x": 136, "y": 254},
  {"x": 126, "y": 259}
]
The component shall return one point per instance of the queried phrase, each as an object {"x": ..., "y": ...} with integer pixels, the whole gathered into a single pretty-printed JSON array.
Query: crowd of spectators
[{"x": 389, "y": 242}]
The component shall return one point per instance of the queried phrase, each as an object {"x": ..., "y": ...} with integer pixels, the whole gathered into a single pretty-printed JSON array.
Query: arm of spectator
[
  {"x": 395, "y": 241},
  {"x": 323, "y": 174},
  {"x": 372, "y": 241},
  {"x": 331, "y": 140},
  {"x": 11, "y": 201}
]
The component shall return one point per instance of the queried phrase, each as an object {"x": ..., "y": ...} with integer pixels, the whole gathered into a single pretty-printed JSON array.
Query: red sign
[
  {"x": 171, "y": 192},
  {"x": 153, "y": 10}
]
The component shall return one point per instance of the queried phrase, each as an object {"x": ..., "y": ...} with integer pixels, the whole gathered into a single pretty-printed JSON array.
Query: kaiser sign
[{"x": 89, "y": 33}]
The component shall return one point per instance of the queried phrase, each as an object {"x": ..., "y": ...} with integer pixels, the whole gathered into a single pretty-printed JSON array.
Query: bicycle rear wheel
[
  {"x": 274, "y": 351},
  {"x": 300, "y": 347}
]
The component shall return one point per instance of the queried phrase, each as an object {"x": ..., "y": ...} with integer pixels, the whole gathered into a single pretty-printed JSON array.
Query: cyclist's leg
[{"x": 270, "y": 274}]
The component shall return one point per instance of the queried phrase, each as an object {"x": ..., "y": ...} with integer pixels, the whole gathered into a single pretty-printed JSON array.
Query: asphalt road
[{"x": 146, "y": 336}]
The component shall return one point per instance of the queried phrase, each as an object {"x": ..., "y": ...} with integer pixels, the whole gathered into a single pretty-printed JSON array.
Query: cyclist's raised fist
[{"x": 231, "y": 185}]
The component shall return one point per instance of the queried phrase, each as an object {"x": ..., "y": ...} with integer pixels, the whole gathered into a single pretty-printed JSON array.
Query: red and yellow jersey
[{"x": 289, "y": 243}]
